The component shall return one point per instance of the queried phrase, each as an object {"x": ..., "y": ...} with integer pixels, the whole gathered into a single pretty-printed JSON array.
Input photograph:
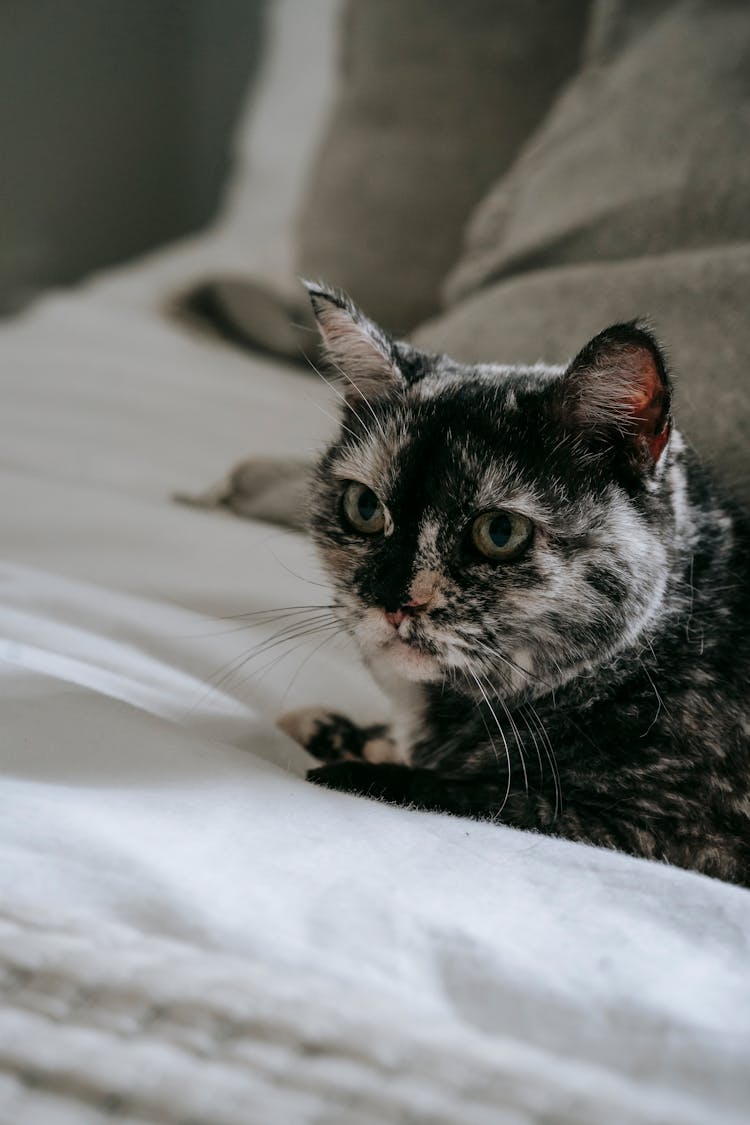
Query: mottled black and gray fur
[{"x": 597, "y": 687}]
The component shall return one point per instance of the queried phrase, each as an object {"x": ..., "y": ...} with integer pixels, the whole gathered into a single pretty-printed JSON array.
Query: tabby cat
[{"x": 547, "y": 584}]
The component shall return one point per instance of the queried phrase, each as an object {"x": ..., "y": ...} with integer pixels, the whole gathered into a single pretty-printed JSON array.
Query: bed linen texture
[{"x": 190, "y": 930}]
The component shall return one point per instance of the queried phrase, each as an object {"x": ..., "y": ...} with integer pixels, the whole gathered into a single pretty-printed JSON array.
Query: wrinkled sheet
[{"x": 188, "y": 929}]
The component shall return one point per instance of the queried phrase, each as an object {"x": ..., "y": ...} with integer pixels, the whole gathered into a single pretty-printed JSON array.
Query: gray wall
[{"x": 115, "y": 117}]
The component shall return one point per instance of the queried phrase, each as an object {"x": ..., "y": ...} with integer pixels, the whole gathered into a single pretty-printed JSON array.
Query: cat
[{"x": 545, "y": 581}]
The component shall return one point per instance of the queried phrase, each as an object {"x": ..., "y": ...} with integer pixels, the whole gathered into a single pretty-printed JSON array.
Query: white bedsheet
[{"x": 431, "y": 968}]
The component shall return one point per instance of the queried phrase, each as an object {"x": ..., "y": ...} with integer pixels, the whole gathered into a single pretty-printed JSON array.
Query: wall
[{"x": 115, "y": 118}]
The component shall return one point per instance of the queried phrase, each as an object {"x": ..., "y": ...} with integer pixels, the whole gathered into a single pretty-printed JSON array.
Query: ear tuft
[
  {"x": 618, "y": 385},
  {"x": 359, "y": 351}
]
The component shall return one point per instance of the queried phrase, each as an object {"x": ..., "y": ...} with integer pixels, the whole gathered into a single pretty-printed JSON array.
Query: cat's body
[{"x": 544, "y": 580}]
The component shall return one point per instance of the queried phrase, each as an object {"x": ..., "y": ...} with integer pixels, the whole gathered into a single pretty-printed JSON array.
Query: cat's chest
[{"x": 408, "y": 708}]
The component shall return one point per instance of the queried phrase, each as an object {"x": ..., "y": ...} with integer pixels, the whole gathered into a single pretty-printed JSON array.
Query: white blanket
[
  {"x": 161, "y": 853},
  {"x": 189, "y": 932}
]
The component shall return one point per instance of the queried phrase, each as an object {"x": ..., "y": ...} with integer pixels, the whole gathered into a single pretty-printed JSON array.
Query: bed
[{"x": 189, "y": 931}]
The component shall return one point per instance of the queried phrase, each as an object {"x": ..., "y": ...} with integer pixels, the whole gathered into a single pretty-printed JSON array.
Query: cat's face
[{"x": 493, "y": 523}]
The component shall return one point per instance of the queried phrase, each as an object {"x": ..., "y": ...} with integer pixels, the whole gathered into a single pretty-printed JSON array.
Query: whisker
[
  {"x": 291, "y": 632},
  {"x": 310, "y": 581},
  {"x": 362, "y": 394},
  {"x": 285, "y": 609},
  {"x": 502, "y": 735},
  {"x": 512, "y": 664},
  {"x": 310, "y": 655},
  {"x": 546, "y": 744},
  {"x": 516, "y": 735},
  {"x": 336, "y": 391},
  {"x": 289, "y": 645},
  {"x": 231, "y": 666},
  {"x": 536, "y": 744},
  {"x": 253, "y": 624},
  {"x": 486, "y": 726},
  {"x": 550, "y": 755},
  {"x": 333, "y": 418},
  {"x": 258, "y": 673},
  {"x": 659, "y": 701}
]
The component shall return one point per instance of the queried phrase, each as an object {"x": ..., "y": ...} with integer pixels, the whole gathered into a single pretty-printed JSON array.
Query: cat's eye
[
  {"x": 501, "y": 536},
  {"x": 362, "y": 509}
]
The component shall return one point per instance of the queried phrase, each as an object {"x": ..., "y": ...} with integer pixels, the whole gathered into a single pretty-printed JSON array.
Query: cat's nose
[{"x": 396, "y": 616}]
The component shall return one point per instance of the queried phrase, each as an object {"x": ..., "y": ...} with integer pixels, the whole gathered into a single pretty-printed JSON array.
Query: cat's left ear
[
  {"x": 360, "y": 352},
  {"x": 617, "y": 387}
]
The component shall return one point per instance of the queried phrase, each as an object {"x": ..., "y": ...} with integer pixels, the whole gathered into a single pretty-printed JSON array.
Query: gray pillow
[
  {"x": 647, "y": 150},
  {"x": 435, "y": 99}
]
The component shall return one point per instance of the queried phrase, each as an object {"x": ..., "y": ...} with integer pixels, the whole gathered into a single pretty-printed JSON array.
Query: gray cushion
[
  {"x": 646, "y": 150},
  {"x": 435, "y": 99},
  {"x": 630, "y": 200}
]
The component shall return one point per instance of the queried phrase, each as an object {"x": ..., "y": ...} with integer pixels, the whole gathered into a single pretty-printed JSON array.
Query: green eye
[
  {"x": 501, "y": 536},
  {"x": 362, "y": 509}
]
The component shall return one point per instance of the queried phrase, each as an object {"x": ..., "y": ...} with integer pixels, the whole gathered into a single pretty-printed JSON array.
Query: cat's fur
[{"x": 597, "y": 687}]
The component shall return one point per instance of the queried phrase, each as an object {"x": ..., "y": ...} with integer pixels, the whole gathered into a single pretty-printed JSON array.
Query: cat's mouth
[
  {"x": 404, "y": 644},
  {"x": 411, "y": 661},
  {"x": 401, "y": 647}
]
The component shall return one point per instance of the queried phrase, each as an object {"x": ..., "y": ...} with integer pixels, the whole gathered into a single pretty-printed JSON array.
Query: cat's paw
[
  {"x": 331, "y": 737},
  {"x": 391, "y": 783},
  {"x": 326, "y": 735}
]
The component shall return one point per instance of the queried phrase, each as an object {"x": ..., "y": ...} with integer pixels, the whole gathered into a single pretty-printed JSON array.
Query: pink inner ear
[
  {"x": 645, "y": 404},
  {"x": 618, "y": 384}
]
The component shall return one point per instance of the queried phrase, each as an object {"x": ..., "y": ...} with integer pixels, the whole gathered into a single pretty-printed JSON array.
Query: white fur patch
[
  {"x": 407, "y": 702},
  {"x": 379, "y": 750},
  {"x": 303, "y": 723}
]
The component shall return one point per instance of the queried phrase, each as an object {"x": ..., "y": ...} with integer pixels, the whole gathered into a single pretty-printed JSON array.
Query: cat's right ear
[{"x": 361, "y": 354}]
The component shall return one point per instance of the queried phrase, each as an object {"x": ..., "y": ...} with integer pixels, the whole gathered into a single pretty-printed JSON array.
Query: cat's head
[{"x": 485, "y": 521}]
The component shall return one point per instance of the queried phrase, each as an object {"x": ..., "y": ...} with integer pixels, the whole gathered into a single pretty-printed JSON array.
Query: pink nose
[{"x": 395, "y": 617}]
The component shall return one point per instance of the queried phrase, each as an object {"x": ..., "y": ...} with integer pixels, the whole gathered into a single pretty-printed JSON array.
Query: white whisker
[
  {"x": 362, "y": 394},
  {"x": 502, "y": 735},
  {"x": 517, "y": 737},
  {"x": 336, "y": 391}
]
